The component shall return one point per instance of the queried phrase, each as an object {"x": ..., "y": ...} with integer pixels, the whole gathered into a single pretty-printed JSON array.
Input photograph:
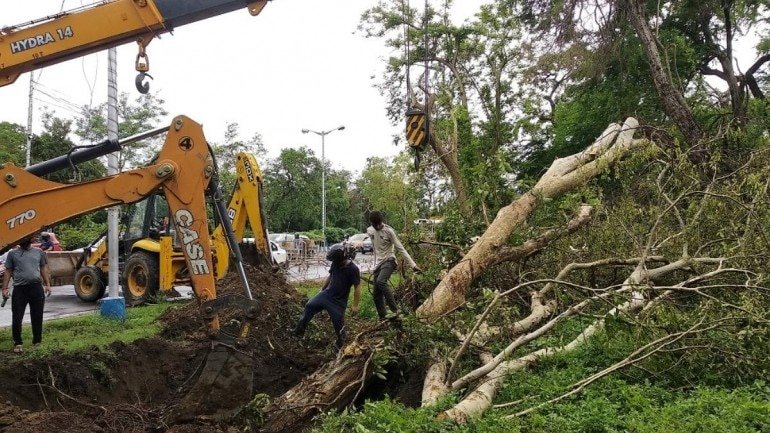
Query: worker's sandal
[{"x": 18, "y": 348}]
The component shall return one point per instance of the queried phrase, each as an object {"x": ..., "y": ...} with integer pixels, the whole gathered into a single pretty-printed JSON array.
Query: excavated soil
[{"x": 137, "y": 387}]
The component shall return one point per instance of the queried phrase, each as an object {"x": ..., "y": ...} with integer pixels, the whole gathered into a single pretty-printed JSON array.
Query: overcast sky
[{"x": 299, "y": 64}]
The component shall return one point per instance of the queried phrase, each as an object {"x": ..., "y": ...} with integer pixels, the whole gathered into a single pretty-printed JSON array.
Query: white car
[
  {"x": 2, "y": 263},
  {"x": 277, "y": 253}
]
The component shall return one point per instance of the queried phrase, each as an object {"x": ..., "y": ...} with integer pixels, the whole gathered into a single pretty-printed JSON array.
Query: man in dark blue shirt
[{"x": 333, "y": 297}]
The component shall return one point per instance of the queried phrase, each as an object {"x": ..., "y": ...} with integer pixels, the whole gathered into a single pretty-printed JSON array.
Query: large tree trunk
[
  {"x": 335, "y": 385},
  {"x": 671, "y": 98},
  {"x": 446, "y": 149},
  {"x": 564, "y": 175}
]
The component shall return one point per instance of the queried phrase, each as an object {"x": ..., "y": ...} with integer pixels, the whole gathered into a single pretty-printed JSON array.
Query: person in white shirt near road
[{"x": 385, "y": 243}]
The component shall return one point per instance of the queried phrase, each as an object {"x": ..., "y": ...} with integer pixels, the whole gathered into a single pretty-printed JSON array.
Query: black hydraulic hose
[
  {"x": 89, "y": 153},
  {"x": 215, "y": 189}
]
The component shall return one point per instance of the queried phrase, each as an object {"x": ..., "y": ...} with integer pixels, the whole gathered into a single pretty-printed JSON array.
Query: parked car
[
  {"x": 366, "y": 246},
  {"x": 277, "y": 254},
  {"x": 287, "y": 241},
  {"x": 284, "y": 237},
  {"x": 357, "y": 242},
  {"x": 2, "y": 263}
]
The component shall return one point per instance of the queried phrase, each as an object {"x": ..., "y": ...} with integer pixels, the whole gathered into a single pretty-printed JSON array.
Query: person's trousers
[
  {"x": 336, "y": 312},
  {"x": 23, "y": 295},
  {"x": 382, "y": 292}
]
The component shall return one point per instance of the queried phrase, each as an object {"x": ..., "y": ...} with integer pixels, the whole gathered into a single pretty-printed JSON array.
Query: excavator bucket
[
  {"x": 224, "y": 382},
  {"x": 222, "y": 388}
]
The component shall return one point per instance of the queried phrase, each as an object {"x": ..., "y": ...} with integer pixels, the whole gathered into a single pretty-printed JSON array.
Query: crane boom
[{"x": 107, "y": 24}]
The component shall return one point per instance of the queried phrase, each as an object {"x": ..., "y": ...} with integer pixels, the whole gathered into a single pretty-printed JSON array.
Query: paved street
[{"x": 63, "y": 302}]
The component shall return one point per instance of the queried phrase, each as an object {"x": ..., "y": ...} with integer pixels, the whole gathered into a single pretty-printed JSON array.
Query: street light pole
[{"x": 323, "y": 135}]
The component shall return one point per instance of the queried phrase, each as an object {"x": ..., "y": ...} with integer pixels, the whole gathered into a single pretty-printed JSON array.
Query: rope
[{"x": 405, "y": 8}]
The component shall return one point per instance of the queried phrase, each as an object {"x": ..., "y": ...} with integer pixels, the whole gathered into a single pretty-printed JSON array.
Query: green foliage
[
  {"x": 140, "y": 115},
  {"x": 456, "y": 229},
  {"x": 13, "y": 139},
  {"x": 385, "y": 187},
  {"x": 252, "y": 414},
  {"x": 743, "y": 410},
  {"x": 54, "y": 142},
  {"x": 81, "y": 231},
  {"x": 334, "y": 235},
  {"x": 315, "y": 235},
  {"x": 226, "y": 154},
  {"x": 390, "y": 417}
]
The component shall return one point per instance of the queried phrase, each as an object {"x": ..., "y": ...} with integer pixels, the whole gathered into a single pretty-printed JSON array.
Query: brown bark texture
[
  {"x": 335, "y": 385},
  {"x": 672, "y": 99}
]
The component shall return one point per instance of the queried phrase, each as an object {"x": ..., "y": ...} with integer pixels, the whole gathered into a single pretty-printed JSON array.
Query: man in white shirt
[{"x": 385, "y": 243}]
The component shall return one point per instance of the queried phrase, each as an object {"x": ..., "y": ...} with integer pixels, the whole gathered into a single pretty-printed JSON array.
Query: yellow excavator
[
  {"x": 183, "y": 172},
  {"x": 152, "y": 259}
]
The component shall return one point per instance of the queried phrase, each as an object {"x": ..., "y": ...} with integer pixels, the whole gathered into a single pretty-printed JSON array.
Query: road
[{"x": 63, "y": 302}]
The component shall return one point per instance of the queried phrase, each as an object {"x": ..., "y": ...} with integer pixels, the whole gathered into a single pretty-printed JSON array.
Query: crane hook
[{"x": 142, "y": 86}]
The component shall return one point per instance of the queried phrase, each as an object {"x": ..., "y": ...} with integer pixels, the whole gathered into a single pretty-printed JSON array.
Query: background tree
[
  {"x": 471, "y": 68},
  {"x": 227, "y": 151},
  {"x": 143, "y": 113},
  {"x": 54, "y": 142},
  {"x": 293, "y": 191},
  {"x": 386, "y": 187},
  {"x": 339, "y": 212},
  {"x": 13, "y": 143}
]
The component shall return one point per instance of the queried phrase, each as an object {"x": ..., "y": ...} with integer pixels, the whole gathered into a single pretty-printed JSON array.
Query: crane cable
[
  {"x": 426, "y": 73},
  {"x": 405, "y": 4},
  {"x": 417, "y": 120}
]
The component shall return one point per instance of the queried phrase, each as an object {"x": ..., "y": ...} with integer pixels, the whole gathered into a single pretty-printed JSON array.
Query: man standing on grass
[
  {"x": 333, "y": 297},
  {"x": 31, "y": 284},
  {"x": 385, "y": 243}
]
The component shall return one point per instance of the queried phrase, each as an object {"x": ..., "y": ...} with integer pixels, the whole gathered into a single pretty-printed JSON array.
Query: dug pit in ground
[{"x": 134, "y": 387}]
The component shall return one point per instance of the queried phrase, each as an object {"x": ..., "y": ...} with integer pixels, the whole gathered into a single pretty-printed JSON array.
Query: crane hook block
[
  {"x": 416, "y": 128},
  {"x": 142, "y": 86}
]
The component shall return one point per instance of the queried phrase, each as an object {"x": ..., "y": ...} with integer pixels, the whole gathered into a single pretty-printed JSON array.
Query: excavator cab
[
  {"x": 151, "y": 257},
  {"x": 152, "y": 261}
]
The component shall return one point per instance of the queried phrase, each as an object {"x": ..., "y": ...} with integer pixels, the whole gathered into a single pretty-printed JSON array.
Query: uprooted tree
[
  {"x": 659, "y": 237},
  {"x": 339, "y": 382},
  {"x": 658, "y": 247}
]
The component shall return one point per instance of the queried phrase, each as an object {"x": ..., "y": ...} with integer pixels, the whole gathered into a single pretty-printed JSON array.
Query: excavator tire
[
  {"x": 90, "y": 283},
  {"x": 140, "y": 277}
]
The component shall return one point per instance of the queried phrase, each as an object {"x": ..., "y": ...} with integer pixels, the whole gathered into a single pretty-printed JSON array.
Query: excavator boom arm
[
  {"x": 245, "y": 208},
  {"x": 183, "y": 170}
]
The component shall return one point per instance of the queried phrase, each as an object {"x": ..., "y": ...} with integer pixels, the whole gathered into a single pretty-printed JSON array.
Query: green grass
[
  {"x": 76, "y": 333},
  {"x": 72, "y": 334}
]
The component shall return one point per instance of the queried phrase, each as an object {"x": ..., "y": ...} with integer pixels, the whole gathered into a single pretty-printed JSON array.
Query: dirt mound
[
  {"x": 44, "y": 422},
  {"x": 133, "y": 387},
  {"x": 280, "y": 359}
]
